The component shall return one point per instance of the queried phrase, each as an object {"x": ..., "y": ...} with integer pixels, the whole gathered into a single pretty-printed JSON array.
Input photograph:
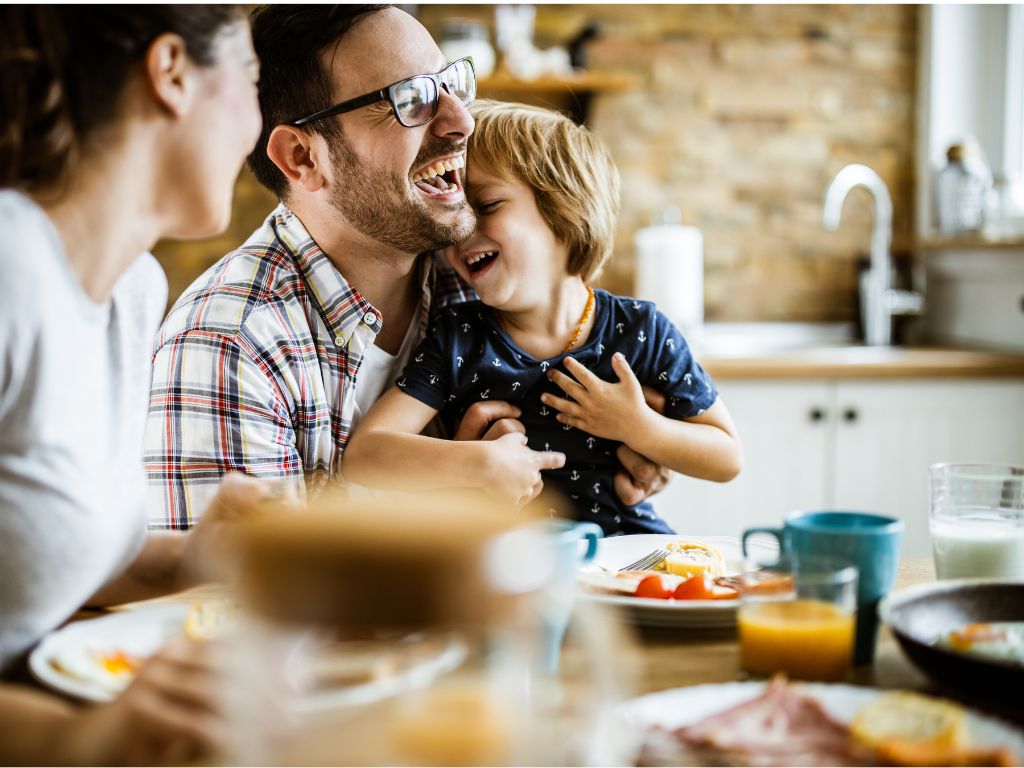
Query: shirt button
[
  {"x": 370, "y": 318},
  {"x": 339, "y": 341}
]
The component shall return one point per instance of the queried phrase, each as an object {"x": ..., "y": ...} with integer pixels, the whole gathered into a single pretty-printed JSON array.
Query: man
[{"x": 268, "y": 360}]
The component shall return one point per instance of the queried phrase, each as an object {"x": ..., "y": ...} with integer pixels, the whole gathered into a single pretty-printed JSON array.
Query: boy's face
[{"x": 513, "y": 260}]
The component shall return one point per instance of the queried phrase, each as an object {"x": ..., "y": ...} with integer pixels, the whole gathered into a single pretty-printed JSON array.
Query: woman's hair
[
  {"x": 63, "y": 69},
  {"x": 570, "y": 171}
]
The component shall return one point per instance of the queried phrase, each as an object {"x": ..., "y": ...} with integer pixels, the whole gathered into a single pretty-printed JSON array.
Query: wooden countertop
[{"x": 861, "y": 362}]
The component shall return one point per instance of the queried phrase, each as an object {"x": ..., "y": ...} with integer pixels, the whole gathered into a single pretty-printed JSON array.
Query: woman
[{"x": 119, "y": 125}]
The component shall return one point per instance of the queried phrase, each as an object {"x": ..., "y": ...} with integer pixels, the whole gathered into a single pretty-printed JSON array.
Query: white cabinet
[{"x": 860, "y": 445}]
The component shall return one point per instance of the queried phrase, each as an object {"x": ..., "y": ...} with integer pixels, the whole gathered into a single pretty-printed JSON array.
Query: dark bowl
[{"x": 921, "y": 615}]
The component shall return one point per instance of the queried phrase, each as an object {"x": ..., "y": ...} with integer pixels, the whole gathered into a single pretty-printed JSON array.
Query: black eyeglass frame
[{"x": 387, "y": 94}]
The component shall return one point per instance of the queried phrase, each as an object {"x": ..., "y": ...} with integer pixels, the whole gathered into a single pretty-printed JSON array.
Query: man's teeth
[{"x": 440, "y": 168}]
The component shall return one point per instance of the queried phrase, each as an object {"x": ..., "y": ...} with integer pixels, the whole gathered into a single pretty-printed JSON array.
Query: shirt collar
[{"x": 342, "y": 307}]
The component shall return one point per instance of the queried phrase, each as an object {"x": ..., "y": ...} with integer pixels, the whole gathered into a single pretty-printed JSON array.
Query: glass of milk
[{"x": 977, "y": 521}]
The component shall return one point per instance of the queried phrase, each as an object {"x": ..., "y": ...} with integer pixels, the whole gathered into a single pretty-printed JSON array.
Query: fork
[{"x": 647, "y": 562}]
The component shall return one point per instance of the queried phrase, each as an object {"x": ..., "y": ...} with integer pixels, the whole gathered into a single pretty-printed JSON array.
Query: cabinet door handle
[
  {"x": 850, "y": 415},
  {"x": 816, "y": 414}
]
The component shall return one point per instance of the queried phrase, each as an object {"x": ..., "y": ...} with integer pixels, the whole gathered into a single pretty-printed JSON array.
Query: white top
[
  {"x": 378, "y": 372},
  {"x": 74, "y": 382}
]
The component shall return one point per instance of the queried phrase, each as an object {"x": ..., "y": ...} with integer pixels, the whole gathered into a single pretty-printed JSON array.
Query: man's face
[{"x": 384, "y": 180}]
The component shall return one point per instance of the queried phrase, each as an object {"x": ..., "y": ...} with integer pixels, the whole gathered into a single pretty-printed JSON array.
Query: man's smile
[{"x": 440, "y": 176}]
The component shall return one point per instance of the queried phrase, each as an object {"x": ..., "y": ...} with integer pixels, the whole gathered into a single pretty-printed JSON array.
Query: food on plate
[
  {"x": 997, "y": 640},
  {"x": 910, "y": 717},
  {"x": 787, "y": 725},
  {"x": 692, "y": 558},
  {"x": 907, "y": 728},
  {"x": 109, "y": 668},
  {"x": 210, "y": 618},
  {"x": 656, "y": 585}
]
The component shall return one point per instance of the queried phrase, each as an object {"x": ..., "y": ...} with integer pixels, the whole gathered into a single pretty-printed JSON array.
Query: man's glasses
[{"x": 414, "y": 100}]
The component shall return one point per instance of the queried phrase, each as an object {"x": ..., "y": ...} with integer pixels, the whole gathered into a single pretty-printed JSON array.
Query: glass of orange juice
[{"x": 798, "y": 616}]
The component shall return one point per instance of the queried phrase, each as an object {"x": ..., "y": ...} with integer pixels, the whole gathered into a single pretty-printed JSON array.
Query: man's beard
[{"x": 374, "y": 204}]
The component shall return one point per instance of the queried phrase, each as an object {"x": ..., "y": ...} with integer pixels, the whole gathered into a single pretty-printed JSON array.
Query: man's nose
[{"x": 452, "y": 120}]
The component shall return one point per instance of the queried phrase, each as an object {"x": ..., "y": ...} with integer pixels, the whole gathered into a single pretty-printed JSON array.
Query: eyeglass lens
[{"x": 415, "y": 99}]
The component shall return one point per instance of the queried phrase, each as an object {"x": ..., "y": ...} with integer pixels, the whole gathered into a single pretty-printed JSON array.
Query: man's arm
[{"x": 213, "y": 409}]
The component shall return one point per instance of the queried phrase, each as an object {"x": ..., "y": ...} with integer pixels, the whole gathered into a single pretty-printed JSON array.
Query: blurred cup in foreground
[
  {"x": 798, "y": 616},
  {"x": 976, "y": 520}
]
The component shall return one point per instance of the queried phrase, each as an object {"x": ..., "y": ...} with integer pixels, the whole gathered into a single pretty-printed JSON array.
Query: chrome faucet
[{"x": 879, "y": 300}]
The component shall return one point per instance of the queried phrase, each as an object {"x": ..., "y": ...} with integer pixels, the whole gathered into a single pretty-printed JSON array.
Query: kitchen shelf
[
  {"x": 968, "y": 242},
  {"x": 574, "y": 90}
]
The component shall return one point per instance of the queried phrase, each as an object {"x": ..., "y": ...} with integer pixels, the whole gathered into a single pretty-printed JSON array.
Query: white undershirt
[{"x": 378, "y": 371}]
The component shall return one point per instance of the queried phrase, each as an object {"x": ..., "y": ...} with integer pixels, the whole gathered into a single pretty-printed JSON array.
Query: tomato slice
[
  {"x": 652, "y": 586},
  {"x": 703, "y": 587}
]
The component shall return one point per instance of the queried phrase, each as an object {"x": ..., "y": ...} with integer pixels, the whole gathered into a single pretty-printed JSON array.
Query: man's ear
[
  {"x": 166, "y": 66},
  {"x": 293, "y": 152}
]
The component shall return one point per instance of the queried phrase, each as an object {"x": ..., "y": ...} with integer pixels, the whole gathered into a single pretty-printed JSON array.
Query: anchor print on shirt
[
  {"x": 670, "y": 343},
  {"x": 547, "y": 447},
  {"x": 595, "y": 509},
  {"x": 465, "y": 327},
  {"x": 516, "y": 385},
  {"x": 418, "y": 358},
  {"x": 663, "y": 376},
  {"x": 433, "y": 379},
  {"x": 475, "y": 379},
  {"x": 688, "y": 378},
  {"x": 485, "y": 394},
  {"x": 574, "y": 475},
  {"x": 636, "y": 305},
  {"x": 544, "y": 365},
  {"x": 597, "y": 489},
  {"x": 543, "y": 410},
  {"x": 590, "y": 443},
  {"x": 619, "y": 327},
  {"x": 401, "y": 382},
  {"x": 641, "y": 337},
  {"x": 459, "y": 361},
  {"x": 600, "y": 349}
]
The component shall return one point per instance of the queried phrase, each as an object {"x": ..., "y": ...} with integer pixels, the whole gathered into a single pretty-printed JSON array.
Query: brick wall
[{"x": 740, "y": 117}]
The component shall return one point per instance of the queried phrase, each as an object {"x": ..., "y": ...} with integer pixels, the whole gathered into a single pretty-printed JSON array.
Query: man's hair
[
  {"x": 289, "y": 41},
  {"x": 572, "y": 175}
]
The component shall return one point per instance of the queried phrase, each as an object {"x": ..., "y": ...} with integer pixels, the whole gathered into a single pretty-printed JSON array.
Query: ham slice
[{"x": 782, "y": 726}]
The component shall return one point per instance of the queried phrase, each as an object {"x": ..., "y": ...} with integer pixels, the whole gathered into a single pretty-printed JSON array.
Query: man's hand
[
  {"x": 514, "y": 469},
  {"x": 489, "y": 420},
  {"x": 639, "y": 477}
]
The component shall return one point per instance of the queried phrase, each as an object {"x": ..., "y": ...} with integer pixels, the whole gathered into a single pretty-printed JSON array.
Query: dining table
[{"x": 671, "y": 657}]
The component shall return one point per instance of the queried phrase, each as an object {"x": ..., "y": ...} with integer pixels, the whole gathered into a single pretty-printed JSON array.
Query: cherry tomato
[{"x": 652, "y": 586}]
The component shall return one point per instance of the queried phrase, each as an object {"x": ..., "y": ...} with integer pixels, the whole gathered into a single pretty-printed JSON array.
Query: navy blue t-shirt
[{"x": 466, "y": 357}]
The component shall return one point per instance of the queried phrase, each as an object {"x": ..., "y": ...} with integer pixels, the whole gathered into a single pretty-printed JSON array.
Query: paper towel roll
[{"x": 670, "y": 272}]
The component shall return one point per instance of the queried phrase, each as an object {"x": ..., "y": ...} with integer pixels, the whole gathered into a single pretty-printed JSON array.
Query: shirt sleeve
[
  {"x": 672, "y": 369},
  {"x": 428, "y": 375},
  {"x": 213, "y": 408}
]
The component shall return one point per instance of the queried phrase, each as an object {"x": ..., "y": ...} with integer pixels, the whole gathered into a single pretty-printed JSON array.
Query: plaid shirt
[{"x": 255, "y": 367}]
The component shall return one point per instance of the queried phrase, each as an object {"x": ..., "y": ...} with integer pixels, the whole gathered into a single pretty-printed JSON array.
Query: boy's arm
[
  {"x": 705, "y": 446},
  {"x": 387, "y": 451}
]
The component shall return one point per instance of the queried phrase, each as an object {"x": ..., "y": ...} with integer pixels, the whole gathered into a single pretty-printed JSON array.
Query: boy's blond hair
[{"x": 571, "y": 173}]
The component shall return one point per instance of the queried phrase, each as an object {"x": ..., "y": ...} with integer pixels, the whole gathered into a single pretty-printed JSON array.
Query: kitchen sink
[{"x": 753, "y": 339}]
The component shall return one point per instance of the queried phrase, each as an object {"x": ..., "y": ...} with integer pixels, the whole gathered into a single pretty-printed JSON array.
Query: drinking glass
[
  {"x": 976, "y": 521},
  {"x": 798, "y": 616}
]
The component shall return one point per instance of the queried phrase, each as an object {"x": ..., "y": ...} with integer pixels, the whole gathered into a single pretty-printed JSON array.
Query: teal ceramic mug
[
  {"x": 869, "y": 541},
  {"x": 573, "y": 544}
]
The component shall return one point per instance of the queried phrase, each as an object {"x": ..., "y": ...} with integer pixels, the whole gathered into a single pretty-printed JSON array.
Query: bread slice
[
  {"x": 693, "y": 558},
  {"x": 910, "y": 718},
  {"x": 210, "y": 618}
]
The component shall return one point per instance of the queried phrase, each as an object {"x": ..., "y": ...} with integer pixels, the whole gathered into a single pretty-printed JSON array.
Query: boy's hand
[{"x": 602, "y": 408}]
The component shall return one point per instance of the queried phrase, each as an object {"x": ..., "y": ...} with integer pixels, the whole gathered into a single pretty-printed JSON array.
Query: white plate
[
  {"x": 388, "y": 669},
  {"x": 679, "y": 707},
  {"x": 615, "y": 552},
  {"x": 139, "y": 631}
]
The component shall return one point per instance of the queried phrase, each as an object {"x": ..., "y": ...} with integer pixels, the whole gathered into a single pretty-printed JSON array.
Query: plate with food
[
  {"x": 795, "y": 724},
  {"x": 967, "y": 634},
  {"x": 95, "y": 659},
  {"x": 694, "y": 586}
]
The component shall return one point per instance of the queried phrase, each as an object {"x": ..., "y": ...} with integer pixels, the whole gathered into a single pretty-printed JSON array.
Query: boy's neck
[{"x": 546, "y": 328}]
